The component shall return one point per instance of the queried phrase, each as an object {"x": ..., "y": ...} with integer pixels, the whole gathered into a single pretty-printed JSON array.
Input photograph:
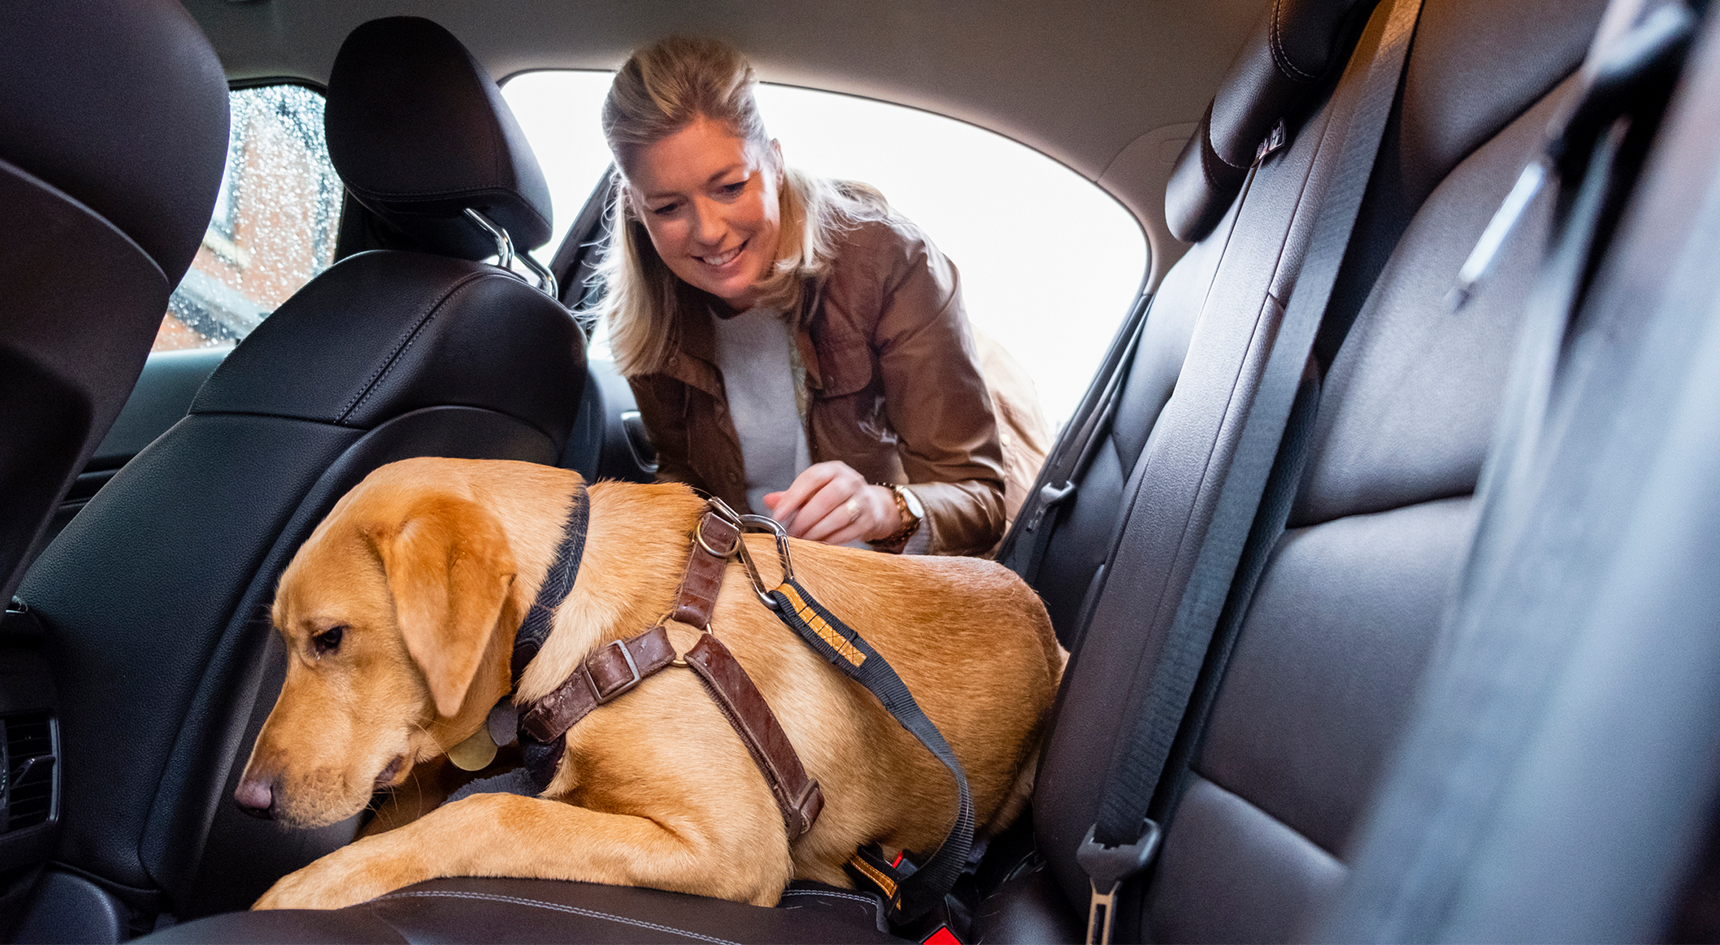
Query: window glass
[
  {"x": 274, "y": 224},
  {"x": 1050, "y": 264}
]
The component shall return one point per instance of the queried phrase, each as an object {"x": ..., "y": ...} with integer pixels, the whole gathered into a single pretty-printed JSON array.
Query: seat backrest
[
  {"x": 1343, "y": 619},
  {"x": 1279, "y": 73},
  {"x": 156, "y": 595},
  {"x": 1556, "y": 781},
  {"x": 113, "y": 135}
]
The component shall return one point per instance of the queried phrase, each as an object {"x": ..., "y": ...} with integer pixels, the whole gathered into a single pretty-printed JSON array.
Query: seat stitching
[
  {"x": 557, "y": 907},
  {"x": 425, "y": 315},
  {"x": 868, "y": 900},
  {"x": 1279, "y": 54}
]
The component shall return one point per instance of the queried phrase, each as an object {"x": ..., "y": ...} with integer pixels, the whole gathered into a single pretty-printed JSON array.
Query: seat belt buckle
[
  {"x": 1106, "y": 868},
  {"x": 1051, "y": 495}
]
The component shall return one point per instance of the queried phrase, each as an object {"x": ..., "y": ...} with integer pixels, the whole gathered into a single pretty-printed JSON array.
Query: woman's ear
[{"x": 776, "y": 151}]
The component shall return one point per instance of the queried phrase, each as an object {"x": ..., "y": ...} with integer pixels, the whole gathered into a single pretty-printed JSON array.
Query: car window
[
  {"x": 274, "y": 224},
  {"x": 1049, "y": 263}
]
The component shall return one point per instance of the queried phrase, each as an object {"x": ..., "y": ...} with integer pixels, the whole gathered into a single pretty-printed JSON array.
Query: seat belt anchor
[{"x": 1106, "y": 868}]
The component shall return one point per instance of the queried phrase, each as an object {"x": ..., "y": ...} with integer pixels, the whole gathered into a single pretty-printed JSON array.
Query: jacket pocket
[{"x": 845, "y": 368}]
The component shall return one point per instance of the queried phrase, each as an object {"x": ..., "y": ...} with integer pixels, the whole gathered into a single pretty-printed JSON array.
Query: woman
[{"x": 795, "y": 347}]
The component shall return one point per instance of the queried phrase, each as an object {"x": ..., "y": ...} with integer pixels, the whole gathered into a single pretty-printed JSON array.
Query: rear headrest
[
  {"x": 1274, "y": 76},
  {"x": 141, "y": 140},
  {"x": 419, "y": 132}
]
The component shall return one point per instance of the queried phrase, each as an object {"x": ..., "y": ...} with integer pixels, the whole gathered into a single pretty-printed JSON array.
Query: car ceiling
[{"x": 1111, "y": 88}]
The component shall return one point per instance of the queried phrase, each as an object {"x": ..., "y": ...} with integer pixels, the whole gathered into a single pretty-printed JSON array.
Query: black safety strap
[
  {"x": 1122, "y": 841},
  {"x": 909, "y": 895},
  {"x": 1024, "y": 549}
]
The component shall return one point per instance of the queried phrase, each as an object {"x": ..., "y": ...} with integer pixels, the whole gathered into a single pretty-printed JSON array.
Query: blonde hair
[{"x": 660, "y": 90}]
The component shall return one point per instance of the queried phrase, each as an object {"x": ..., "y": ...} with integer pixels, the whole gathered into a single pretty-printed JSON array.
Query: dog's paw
[{"x": 346, "y": 877}]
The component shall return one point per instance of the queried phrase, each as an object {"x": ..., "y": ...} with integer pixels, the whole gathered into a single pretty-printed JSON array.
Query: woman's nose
[{"x": 708, "y": 226}]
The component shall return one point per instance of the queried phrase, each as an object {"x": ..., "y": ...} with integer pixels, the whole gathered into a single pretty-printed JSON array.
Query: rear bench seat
[{"x": 1346, "y": 612}]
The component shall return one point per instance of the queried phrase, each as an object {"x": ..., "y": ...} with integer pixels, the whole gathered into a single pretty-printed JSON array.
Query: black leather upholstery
[
  {"x": 1346, "y": 616},
  {"x": 113, "y": 134},
  {"x": 1276, "y": 76},
  {"x": 426, "y": 337},
  {"x": 419, "y": 132},
  {"x": 529, "y": 910},
  {"x": 156, "y": 595},
  {"x": 122, "y": 108}
]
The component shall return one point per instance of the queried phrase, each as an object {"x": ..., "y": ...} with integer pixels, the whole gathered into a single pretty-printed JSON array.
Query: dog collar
[
  {"x": 540, "y": 758},
  {"x": 534, "y": 630}
]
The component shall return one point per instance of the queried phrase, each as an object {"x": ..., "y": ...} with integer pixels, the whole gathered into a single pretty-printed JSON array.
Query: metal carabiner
[
  {"x": 757, "y": 523},
  {"x": 764, "y": 523}
]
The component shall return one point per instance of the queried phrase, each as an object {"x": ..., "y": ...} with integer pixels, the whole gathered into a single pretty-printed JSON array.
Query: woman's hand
[{"x": 832, "y": 503}]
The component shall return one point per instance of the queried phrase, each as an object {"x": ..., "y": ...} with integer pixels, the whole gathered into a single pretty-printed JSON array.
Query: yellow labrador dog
[{"x": 399, "y": 615}]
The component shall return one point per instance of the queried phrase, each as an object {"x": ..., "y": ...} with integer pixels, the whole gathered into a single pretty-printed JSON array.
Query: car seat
[
  {"x": 155, "y": 597},
  {"x": 1295, "y": 718},
  {"x": 113, "y": 131}
]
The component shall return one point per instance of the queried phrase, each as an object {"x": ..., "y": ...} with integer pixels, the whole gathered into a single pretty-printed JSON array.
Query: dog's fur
[{"x": 430, "y": 565}]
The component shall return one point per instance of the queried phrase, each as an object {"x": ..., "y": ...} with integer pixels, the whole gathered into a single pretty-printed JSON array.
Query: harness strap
[
  {"x": 617, "y": 667},
  {"x": 610, "y": 671},
  {"x": 714, "y": 542},
  {"x": 915, "y": 894},
  {"x": 797, "y": 796}
]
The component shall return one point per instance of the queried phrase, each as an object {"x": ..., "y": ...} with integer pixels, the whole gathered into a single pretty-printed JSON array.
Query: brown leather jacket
[{"x": 894, "y": 388}]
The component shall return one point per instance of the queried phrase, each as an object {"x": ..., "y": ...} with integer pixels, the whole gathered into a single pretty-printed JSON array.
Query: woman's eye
[
  {"x": 734, "y": 189},
  {"x": 665, "y": 210},
  {"x": 327, "y": 641}
]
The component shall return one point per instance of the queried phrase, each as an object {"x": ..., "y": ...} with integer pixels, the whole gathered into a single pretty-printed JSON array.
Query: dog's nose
[{"x": 256, "y": 797}]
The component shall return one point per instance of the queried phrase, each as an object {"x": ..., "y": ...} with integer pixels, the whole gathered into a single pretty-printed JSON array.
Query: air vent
[{"x": 30, "y": 760}]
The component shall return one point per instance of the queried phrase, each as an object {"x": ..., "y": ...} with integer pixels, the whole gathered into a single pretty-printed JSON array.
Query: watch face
[{"x": 912, "y": 501}]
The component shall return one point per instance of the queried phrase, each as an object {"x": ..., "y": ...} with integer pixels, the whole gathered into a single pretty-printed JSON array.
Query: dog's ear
[{"x": 449, "y": 569}]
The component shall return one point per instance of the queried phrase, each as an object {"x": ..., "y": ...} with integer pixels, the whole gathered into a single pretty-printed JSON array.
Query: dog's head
[{"x": 390, "y": 615}]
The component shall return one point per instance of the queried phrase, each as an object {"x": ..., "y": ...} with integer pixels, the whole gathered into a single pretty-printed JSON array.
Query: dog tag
[
  {"x": 475, "y": 753},
  {"x": 504, "y": 722}
]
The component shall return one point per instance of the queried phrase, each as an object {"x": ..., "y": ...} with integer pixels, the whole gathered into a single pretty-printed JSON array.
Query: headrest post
[
  {"x": 546, "y": 279},
  {"x": 504, "y": 245},
  {"x": 505, "y": 255}
]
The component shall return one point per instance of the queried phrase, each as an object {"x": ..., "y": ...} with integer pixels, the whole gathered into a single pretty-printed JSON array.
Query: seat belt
[
  {"x": 1123, "y": 841},
  {"x": 1024, "y": 550}
]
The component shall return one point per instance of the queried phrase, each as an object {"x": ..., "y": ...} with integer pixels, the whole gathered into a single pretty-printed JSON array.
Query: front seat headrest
[
  {"x": 139, "y": 140},
  {"x": 419, "y": 132}
]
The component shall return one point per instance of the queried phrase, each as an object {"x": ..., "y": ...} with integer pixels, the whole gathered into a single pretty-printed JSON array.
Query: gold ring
[{"x": 853, "y": 511}]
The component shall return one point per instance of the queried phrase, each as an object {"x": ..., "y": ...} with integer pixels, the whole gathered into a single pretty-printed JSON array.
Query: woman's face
[{"x": 711, "y": 208}]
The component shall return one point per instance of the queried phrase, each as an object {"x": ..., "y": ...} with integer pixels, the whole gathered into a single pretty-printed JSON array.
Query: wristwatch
[{"x": 912, "y": 512}]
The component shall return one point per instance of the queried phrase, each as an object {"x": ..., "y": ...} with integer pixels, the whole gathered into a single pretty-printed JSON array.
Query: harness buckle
[{"x": 603, "y": 695}]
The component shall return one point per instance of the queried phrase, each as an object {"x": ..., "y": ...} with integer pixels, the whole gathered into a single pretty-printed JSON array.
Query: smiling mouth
[{"x": 723, "y": 259}]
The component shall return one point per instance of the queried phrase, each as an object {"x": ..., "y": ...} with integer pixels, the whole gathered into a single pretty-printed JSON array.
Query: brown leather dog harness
[
  {"x": 617, "y": 667},
  {"x": 620, "y": 665}
]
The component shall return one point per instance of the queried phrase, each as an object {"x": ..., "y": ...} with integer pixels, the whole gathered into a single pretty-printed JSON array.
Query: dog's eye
[{"x": 328, "y": 640}]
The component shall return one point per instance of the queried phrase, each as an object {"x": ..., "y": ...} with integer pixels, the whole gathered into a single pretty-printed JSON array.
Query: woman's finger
[
  {"x": 867, "y": 513},
  {"x": 805, "y": 485}
]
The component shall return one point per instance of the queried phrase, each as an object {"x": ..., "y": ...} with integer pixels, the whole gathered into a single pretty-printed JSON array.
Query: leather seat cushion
[{"x": 535, "y": 910}]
